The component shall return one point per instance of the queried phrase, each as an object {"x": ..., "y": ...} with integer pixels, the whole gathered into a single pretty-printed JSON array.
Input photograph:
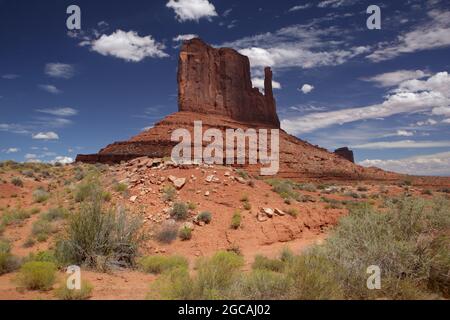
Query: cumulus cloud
[
  {"x": 391, "y": 79},
  {"x": 184, "y": 37},
  {"x": 61, "y": 112},
  {"x": 128, "y": 46},
  {"x": 62, "y": 160},
  {"x": 46, "y": 136},
  {"x": 50, "y": 88},
  {"x": 11, "y": 150},
  {"x": 259, "y": 83},
  {"x": 404, "y": 133},
  {"x": 194, "y": 10},
  {"x": 306, "y": 88},
  {"x": 434, "y": 164},
  {"x": 59, "y": 70},
  {"x": 428, "y": 122},
  {"x": 410, "y": 96},
  {"x": 431, "y": 35}
]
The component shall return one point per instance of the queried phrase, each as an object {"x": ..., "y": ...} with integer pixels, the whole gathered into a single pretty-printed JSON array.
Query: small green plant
[
  {"x": 205, "y": 217},
  {"x": 40, "y": 195},
  {"x": 179, "y": 211},
  {"x": 16, "y": 216},
  {"x": 17, "y": 182},
  {"x": 8, "y": 262},
  {"x": 84, "y": 293},
  {"x": 87, "y": 190},
  {"x": 192, "y": 206},
  {"x": 37, "y": 275},
  {"x": 427, "y": 192},
  {"x": 242, "y": 173},
  {"x": 285, "y": 188},
  {"x": 264, "y": 263},
  {"x": 244, "y": 198},
  {"x": 247, "y": 206},
  {"x": 185, "y": 233},
  {"x": 120, "y": 187},
  {"x": 55, "y": 214},
  {"x": 309, "y": 187},
  {"x": 41, "y": 229},
  {"x": 169, "y": 193},
  {"x": 292, "y": 212},
  {"x": 236, "y": 220},
  {"x": 158, "y": 264},
  {"x": 29, "y": 243}
]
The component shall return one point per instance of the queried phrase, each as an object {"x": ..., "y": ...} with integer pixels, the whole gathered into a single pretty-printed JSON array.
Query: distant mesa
[
  {"x": 345, "y": 153},
  {"x": 214, "y": 86}
]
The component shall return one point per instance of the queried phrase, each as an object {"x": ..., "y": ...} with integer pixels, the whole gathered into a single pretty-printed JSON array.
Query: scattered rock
[
  {"x": 280, "y": 212},
  {"x": 261, "y": 217},
  {"x": 179, "y": 183},
  {"x": 133, "y": 199},
  {"x": 207, "y": 194},
  {"x": 227, "y": 174},
  {"x": 268, "y": 212}
]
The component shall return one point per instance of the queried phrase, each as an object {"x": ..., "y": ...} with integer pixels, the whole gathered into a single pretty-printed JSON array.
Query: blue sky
[{"x": 385, "y": 93}]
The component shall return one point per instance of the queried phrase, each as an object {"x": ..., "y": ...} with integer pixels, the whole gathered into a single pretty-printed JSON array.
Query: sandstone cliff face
[{"x": 218, "y": 81}]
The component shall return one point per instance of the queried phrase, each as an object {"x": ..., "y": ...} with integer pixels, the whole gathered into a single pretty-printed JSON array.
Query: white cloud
[
  {"x": 411, "y": 96},
  {"x": 186, "y": 10},
  {"x": 404, "y": 144},
  {"x": 446, "y": 121},
  {"x": 13, "y": 127},
  {"x": 59, "y": 70},
  {"x": 303, "y": 46},
  {"x": 29, "y": 156},
  {"x": 184, "y": 37},
  {"x": 62, "y": 160},
  {"x": 335, "y": 3},
  {"x": 10, "y": 76},
  {"x": 61, "y": 112},
  {"x": 11, "y": 150},
  {"x": 128, "y": 46},
  {"x": 50, "y": 88},
  {"x": 434, "y": 164},
  {"x": 429, "y": 122},
  {"x": 306, "y": 88},
  {"x": 300, "y": 7},
  {"x": 431, "y": 35},
  {"x": 259, "y": 83},
  {"x": 404, "y": 133},
  {"x": 391, "y": 79},
  {"x": 46, "y": 136}
]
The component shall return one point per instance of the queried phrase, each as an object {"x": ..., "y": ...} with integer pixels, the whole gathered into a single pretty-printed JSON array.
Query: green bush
[
  {"x": 120, "y": 187},
  {"x": 36, "y": 275},
  {"x": 185, "y": 233},
  {"x": 99, "y": 238},
  {"x": 284, "y": 188},
  {"x": 169, "y": 193},
  {"x": 309, "y": 187},
  {"x": 179, "y": 211},
  {"x": 247, "y": 206},
  {"x": 8, "y": 263},
  {"x": 15, "y": 216},
  {"x": 236, "y": 220},
  {"x": 41, "y": 229},
  {"x": 17, "y": 182},
  {"x": 40, "y": 195},
  {"x": 205, "y": 217},
  {"x": 87, "y": 190},
  {"x": 292, "y": 212},
  {"x": 55, "y": 214},
  {"x": 84, "y": 293},
  {"x": 264, "y": 263},
  {"x": 159, "y": 264}
]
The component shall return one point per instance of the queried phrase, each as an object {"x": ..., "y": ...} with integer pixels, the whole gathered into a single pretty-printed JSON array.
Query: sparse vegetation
[
  {"x": 292, "y": 212},
  {"x": 167, "y": 233},
  {"x": 159, "y": 264},
  {"x": 15, "y": 216},
  {"x": 236, "y": 220},
  {"x": 8, "y": 262},
  {"x": 37, "y": 275},
  {"x": 263, "y": 263},
  {"x": 41, "y": 230},
  {"x": 284, "y": 188},
  {"x": 84, "y": 293},
  {"x": 179, "y": 211},
  {"x": 185, "y": 233},
  {"x": 17, "y": 182},
  {"x": 40, "y": 195},
  {"x": 55, "y": 214},
  {"x": 205, "y": 217},
  {"x": 169, "y": 193}
]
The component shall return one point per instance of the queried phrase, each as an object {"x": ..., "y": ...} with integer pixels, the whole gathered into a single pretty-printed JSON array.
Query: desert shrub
[
  {"x": 179, "y": 211},
  {"x": 191, "y": 206},
  {"x": 185, "y": 233},
  {"x": 427, "y": 192},
  {"x": 264, "y": 263},
  {"x": 242, "y": 173},
  {"x": 292, "y": 212},
  {"x": 362, "y": 189},
  {"x": 247, "y": 206},
  {"x": 439, "y": 279},
  {"x": 40, "y": 195},
  {"x": 17, "y": 182},
  {"x": 167, "y": 233},
  {"x": 313, "y": 277},
  {"x": 37, "y": 275},
  {"x": 169, "y": 193},
  {"x": 8, "y": 262},
  {"x": 159, "y": 264},
  {"x": 55, "y": 214},
  {"x": 15, "y": 216},
  {"x": 120, "y": 187},
  {"x": 34, "y": 211},
  {"x": 99, "y": 238},
  {"x": 41, "y": 229},
  {"x": 29, "y": 243},
  {"x": 445, "y": 190},
  {"x": 286, "y": 255},
  {"x": 284, "y": 188},
  {"x": 87, "y": 190},
  {"x": 84, "y": 293},
  {"x": 244, "y": 198},
  {"x": 332, "y": 203},
  {"x": 175, "y": 284},
  {"x": 236, "y": 220},
  {"x": 28, "y": 173},
  {"x": 259, "y": 285},
  {"x": 309, "y": 187},
  {"x": 106, "y": 196},
  {"x": 205, "y": 217},
  {"x": 79, "y": 174}
]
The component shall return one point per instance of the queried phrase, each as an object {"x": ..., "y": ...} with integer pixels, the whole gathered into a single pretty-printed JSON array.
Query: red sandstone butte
[{"x": 215, "y": 88}]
